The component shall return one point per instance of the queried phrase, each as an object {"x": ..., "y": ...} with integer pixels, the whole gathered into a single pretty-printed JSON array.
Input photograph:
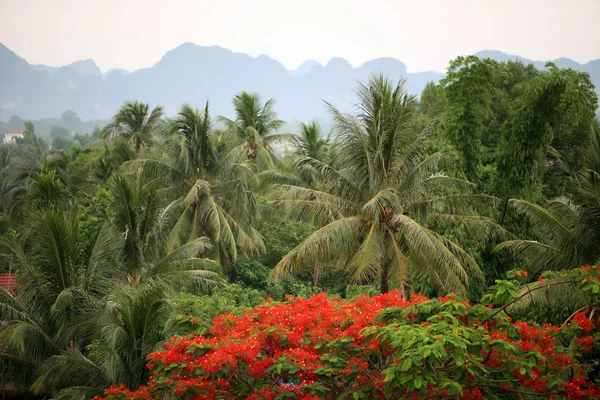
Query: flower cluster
[{"x": 374, "y": 347}]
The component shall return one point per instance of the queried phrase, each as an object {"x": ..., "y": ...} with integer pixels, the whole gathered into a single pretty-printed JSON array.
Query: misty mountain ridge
[{"x": 194, "y": 74}]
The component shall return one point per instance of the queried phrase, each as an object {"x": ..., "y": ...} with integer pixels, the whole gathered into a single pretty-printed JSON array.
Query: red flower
[
  {"x": 322, "y": 348},
  {"x": 583, "y": 321}
]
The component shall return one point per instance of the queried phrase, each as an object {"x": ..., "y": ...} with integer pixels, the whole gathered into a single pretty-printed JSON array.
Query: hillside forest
[{"x": 440, "y": 247}]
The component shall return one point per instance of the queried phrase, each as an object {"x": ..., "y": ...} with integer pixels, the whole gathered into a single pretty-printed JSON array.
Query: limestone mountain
[{"x": 192, "y": 73}]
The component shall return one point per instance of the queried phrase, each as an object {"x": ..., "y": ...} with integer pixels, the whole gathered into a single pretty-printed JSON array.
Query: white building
[{"x": 9, "y": 137}]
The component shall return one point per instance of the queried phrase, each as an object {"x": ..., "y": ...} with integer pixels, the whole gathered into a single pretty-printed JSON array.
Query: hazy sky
[{"x": 424, "y": 34}]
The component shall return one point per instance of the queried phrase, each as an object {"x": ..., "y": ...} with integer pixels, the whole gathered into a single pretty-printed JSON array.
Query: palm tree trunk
[
  {"x": 385, "y": 278},
  {"x": 251, "y": 148},
  {"x": 137, "y": 146},
  {"x": 316, "y": 275},
  {"x": 134, "y": 279}
]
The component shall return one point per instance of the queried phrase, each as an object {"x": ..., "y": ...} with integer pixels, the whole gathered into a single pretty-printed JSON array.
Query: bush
[
  {"x": 281, "y": 235},
  {"x": 373, "y": 347},
  {"x": 231, "y": 299},
  {"x": 355, "y": 291},
  {"x": 250, "y": 273}
]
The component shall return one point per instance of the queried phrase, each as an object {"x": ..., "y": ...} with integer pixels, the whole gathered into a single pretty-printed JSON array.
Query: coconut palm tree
[
  {"x": 311, "y": 143},
  {"x": 133, "y": 323},
  {"x": 377, "y": 202},
  {"x": 138, "y": 211},
  {"x": 63, "y": 273},
  {"x": 136, "y": 123},
  {"x": 296, "y": 167},
  {"x": 212, "y": 184},
  {"x": 190, "y": 141},
  {"x": 72, "y": 322},
  {"x": 109, "y": 162},
  {"x": 257, "y": 125},
  {"x": 47, "y": 190}
]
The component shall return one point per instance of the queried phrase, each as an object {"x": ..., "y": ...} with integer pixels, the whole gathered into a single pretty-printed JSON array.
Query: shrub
[
  {"x": 373, "y": 347},
  {"x": 232, "y": 299}
]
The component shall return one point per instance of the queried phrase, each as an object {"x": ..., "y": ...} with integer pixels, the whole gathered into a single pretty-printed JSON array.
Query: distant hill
[
  {"x": 305, "y": 67},
  {"x": 115, "y": 70},
  {"x": 193, "y": 74},
  {"x": 82, "y": 67}
]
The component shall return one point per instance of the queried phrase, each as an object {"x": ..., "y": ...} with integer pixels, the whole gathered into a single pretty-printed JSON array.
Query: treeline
[
  {"x": 497, "y": 168},
  {"x": 59, "y": 133}
]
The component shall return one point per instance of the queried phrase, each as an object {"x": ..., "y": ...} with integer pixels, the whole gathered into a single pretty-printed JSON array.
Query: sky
[{"x": 424, "y": 34}]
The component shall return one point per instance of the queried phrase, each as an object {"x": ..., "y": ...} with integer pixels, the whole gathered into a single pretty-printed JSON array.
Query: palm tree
[
  {"x": 46, "y": 190},
  {"x": 377, "y": 201},
  {"x": 569, "y": 226},
  {"x": 215, "y": 199},
  {"x": 135, "y": 123},
  {"x": 190, "y": 142},
  {"x": 298, "y": 167},
  {"x": 71, "y": 323},
  {"x": 138, "y": 211},
  {"x": 51, "y": 182},
  {"x": 311, "y": 143},
  {"x": 257, "y": 125},
  {"x": 109, "y": 162},
  {"x": 63, "y": 272},
  {"x": 133, "y": 323}
]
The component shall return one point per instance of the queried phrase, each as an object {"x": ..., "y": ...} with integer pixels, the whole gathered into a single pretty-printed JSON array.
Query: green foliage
[
  {"x": 59, "y": 131},
  {"x": 375, "y": 204},
  {"x": 62, "y": 143},
  {"x": 281, "y": 234},
  {"x": 232, "y": 298},
  {"x": 433, "y": 101},
  {"x": 468, "y": 90},
  {"x": 355, "y": 291},
  {"x": 256, "y": 124},
  {"x": 551, "y": 100},
  {"x": 250, "y": 273},
  {"x": 136, "y": 123},
  {"x": 62, "y": 275},
  {"x": 119, "y": 244},
  {"x": 568, "y": 226}
]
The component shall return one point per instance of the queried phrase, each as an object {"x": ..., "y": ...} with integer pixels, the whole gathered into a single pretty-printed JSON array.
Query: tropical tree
[
  {"x": 46, "y": 190},
  {"x": 191, "y": 143},
  {"x": 212, "y": 185},
  {"x": 296, "y": 167},
  {"x": 138, "y": 211},
  {"x": 257, "y": 125},
  {"x": 133, "y": 323},
  {"x": 63, "y": 273},
  {"x": 377, "y": 202},
  {"x": 554, "y": 100},
  {"x": 112, "y": 158},
  {"x": 136, "y": 123},
  {"x": 311, "y": 143}
]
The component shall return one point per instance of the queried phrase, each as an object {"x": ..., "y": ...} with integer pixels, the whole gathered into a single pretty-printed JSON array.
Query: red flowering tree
[{"x": 374, "y": 347}]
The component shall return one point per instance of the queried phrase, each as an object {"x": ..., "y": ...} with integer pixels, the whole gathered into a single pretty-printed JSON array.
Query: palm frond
[
  {"x": 366, "y": 262},
  {"x": 337, "y": 240}
]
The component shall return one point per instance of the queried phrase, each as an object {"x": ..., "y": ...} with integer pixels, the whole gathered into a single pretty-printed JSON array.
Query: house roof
[
  {"x": 8, "y": 282},
  {"x": 14, "y": 133}
]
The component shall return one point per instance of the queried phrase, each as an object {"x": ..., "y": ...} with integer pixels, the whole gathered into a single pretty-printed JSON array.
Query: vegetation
[
  {"x": 384, "y": 347},
  {"x": 198, "y": 257}
]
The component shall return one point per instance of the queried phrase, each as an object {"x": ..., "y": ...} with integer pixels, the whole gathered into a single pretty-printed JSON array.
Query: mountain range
[{"x": 194, "y": 74}]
